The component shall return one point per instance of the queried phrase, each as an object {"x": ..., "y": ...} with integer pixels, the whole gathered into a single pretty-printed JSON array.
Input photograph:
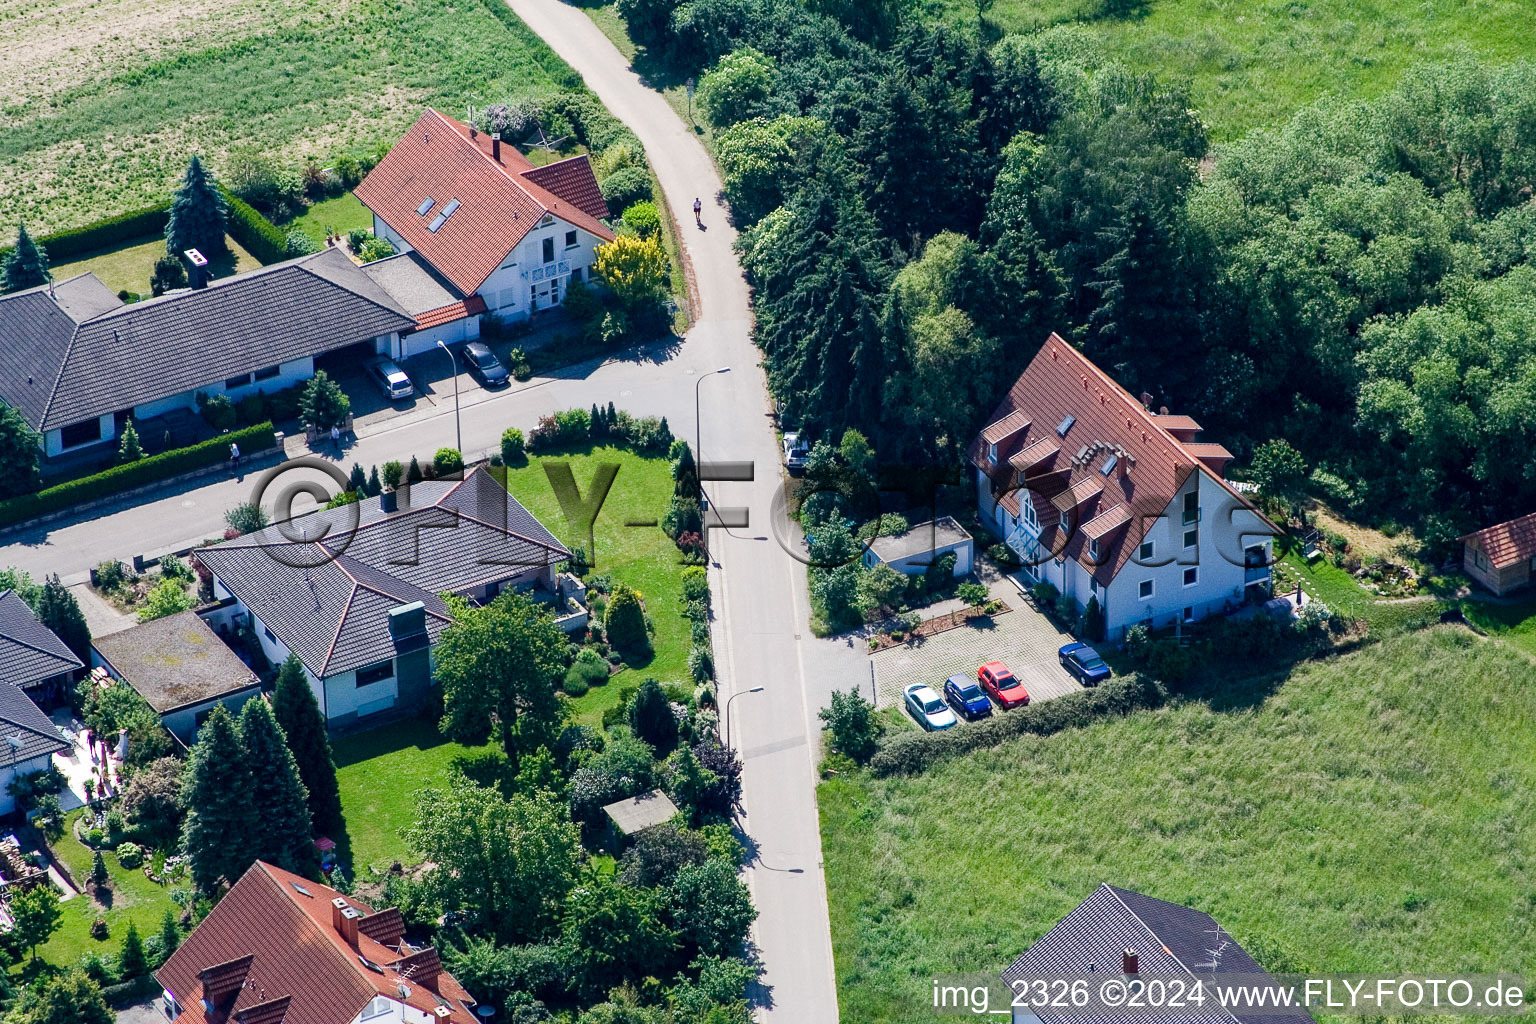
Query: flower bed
[{"x": 938, "y": 624}]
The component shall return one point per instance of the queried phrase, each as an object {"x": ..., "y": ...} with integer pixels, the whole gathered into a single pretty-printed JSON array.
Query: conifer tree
[
  {"x": 357, "y": 482},
  {"x": 413, "y": 472},
  {"x": 199, "y": 215},
  {"x": 170, "y": 935},
  {"x": 99, "y": 874},
  {"x": 281, "y": 805},
  {"x": 59, "y": 611},
  {"x": 297, "y": 713},
  {"x": 374, "y": 487},
  {"x": 26, "y": 266},
  {"x": 132, "y": 959},
  {"x": 129, "y": 449},
  {"x": 222, "y": 818}
]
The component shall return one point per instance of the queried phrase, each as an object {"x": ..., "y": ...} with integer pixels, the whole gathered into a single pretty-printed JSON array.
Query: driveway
[{"x": 1022, "y": 639}]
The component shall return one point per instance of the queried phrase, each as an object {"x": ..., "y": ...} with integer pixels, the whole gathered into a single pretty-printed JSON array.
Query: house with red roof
[
  {"x": 1502, "y": 557},
  {"x": 1107, "y": 500},
  {"x": 470, "y": 214},
  {"x": 281, "y": 949}
]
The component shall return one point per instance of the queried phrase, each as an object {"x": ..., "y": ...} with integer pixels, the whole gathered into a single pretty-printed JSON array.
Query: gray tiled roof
[
  {"x": 131, "y": 354},
  {"x": 1169, "y": 939},
  {"x": 25, "y": 732},
  {"x": 413, "y": 282},
  {"x": 455, "y": 536},
  {"x": 175, "y": 661},
  {"x": 29, "y": 651}
]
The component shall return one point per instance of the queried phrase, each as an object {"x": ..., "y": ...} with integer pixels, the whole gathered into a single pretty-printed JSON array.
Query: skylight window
[
  {"x": 1109, "y": 465},
  {"x": 1065, "y": 425},
  {"x": 453, "y": 204},
  {"x": 426, "y": 204},
  {"x": 302, "y": 891},
  {"x": 437, "y": 222}
]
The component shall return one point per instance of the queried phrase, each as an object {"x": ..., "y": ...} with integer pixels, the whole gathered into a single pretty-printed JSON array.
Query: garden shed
[
  {"x": 181, "y": 667},
  {"x": 913, "y": 550},
  {"x": 639, "y": 813}
]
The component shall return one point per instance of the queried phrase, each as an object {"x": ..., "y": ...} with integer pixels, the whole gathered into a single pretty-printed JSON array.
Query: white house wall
[
  {"x": 452, "y": 333},
  {"x": 16, "y": 771},
  {"x": 53, "y": 440}
]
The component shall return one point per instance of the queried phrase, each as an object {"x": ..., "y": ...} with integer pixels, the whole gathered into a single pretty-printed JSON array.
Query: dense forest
[{"x": 921, "y": 208}]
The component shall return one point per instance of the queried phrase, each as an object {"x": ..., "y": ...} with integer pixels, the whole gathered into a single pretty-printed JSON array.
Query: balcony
[{"x": 1255, "y": 574}]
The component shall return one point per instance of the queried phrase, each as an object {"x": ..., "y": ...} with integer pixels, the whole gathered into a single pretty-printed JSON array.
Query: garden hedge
[
  {"x": 912, "y": 752},
  {"x": 259, "y": 236},
  {"x": 134, "y": 474},
  {"x": 126, "y": 227}
]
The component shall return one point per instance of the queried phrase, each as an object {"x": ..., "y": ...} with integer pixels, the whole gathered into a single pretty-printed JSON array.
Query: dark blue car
[
  {"x": 1084, "y": 663},
  {"x": 962, "y": 694}
]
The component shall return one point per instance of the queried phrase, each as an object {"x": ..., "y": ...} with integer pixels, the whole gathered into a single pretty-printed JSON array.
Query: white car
[
  {"x": 391, "y": 380},
  {"x": 928, "y": 707},
  {"x": 795, "y": 452}
]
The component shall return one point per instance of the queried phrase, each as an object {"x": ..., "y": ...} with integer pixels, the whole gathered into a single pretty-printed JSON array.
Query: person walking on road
[
  {"x": 336, "y": 439},
  {"x": 698, "y": 212},
  {"x": 234, "y": 456}
]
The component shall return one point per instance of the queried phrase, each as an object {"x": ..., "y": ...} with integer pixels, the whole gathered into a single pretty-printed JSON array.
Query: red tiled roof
[
  {"x": 1005, "y": 427},
  {"x": 1175, "y": 422},
  {"x": 499, "y": 203},
  {"x": 1506, "y": 543},
  {"x": 272, "y": 936},
  {"x": 472, "y": 306},
  {"x": 1066, "y": 471},
  {"x": 573, "y": 181}
]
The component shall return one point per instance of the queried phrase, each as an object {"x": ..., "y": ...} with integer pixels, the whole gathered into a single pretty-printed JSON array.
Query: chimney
[
  {"x": 496, "y": 146},
  {"x": 197, "y": 268},
  {"x": 407, "y": 620},
  {"x": 1162, "y": 410},
  {"x": 1130, "y": 963},
  {"x": 473, "y": 131},
  {"x": 344, "y": 918}
]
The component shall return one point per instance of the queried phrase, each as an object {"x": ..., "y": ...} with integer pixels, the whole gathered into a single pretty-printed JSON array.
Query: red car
[{"x": 1000, "y": 683}]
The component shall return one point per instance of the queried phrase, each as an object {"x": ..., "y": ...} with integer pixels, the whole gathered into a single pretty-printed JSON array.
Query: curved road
[{"x": 761, "y": 639}]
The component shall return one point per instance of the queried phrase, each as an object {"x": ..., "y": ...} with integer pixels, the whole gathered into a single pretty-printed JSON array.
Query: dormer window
[{"x": 992, "y": 452}]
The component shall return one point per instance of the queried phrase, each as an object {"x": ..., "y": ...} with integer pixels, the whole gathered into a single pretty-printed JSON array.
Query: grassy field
[
  {"x": 1366, "y": 813},
  {"x": 133, "y": 898},
  {"x": 104, "y": 103},
  {"x": 128, "y": 267},
  {"x": 1513, "y": 623},
  {"x": 1252, "y": 62}
]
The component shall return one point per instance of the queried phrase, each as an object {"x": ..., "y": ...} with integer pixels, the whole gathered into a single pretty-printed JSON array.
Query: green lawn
[
  {"x": 379, "y": 773},
  {"x": 1252, "y": 62},
  {"x": 128, "y": 267},
  {"x": 133, "y": 898},
  {"x": 103, "y": 106},
  {"x": 335, "y": 216},
  {"x": 1514, "y": 623},
  {"x": 1369, "y": 813},
  {"x": 641, "y": 556}
]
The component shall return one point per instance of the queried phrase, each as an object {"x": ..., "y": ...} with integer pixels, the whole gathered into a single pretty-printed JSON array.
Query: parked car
[
  {"x": 966, "y": 698},
  {"x": 484, "y": 366},
  {"x": 795, "y": 451},
  {"x": 1084, "y": 663},
  {"x": 386, "y": 373},
  {"x": 931, "y": 712},
  {"x": 1002, "y": 686}
]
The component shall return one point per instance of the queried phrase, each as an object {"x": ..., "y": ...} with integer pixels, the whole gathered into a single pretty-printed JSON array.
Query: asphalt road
[{"x": 761, "y": 636}]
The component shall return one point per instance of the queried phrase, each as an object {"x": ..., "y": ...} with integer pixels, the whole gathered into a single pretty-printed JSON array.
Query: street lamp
[
  {"x": 727, "y": 715},
  {"x": 458, "y": 433},
  {"x": 698, "y": 452}
]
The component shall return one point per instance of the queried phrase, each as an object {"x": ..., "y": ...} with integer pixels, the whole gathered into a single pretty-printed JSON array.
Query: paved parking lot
[{"x": 1022, "y": 639}]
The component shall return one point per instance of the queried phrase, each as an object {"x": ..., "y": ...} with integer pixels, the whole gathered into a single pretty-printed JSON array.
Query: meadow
[
  {"x": 1369, "y": 812},
  {"x": 1253, "y": 62},
  {"x": 104, "y": 103}
]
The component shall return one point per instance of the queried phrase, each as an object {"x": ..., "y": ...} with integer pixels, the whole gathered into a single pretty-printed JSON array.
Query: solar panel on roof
[
  {"x": 426, "y": 204},
  {"x": 1065, "y": 425},
  {"x": 437, "y": 222},
  {"x": 453, "y": 204}
]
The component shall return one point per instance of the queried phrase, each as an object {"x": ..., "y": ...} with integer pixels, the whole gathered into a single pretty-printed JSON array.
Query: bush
[
  {"x": 701, "y": 664},
  {"x": 855, "y": 731},
  {"x": 375, "y": 249},
  {"x": 1044, "y": 594},
  {"x": 134, "y": 474},
  {"x": 1003, "y": 555},
  {"x": 512, "y": 452},
  {"x": 130, "y": 855},
  {"x": 574, "y": 686},
  {"x": 217, "y": 410},
  {"x": 257, "y": 235},
  {"x": 297, "y": 243},
  {"x": 913, "y": 752},
  {"x": 625, "y": 624},
  {"x": 643, "y": 219},
  {"x": 695, "y": 583},
  {"x": 625, "y": 187},
  {"x": 446, "y": 461}
]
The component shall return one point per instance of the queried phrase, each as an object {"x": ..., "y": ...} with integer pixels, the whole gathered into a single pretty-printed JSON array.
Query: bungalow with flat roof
[
  {"x": 357, "y": 599},
  {"x": 76, "y": 361},
  {"x": 181, "y": 667}
]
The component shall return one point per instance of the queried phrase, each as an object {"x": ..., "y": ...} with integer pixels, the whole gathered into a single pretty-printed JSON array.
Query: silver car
[
  {"x": 926, "y": 706},
  {"x": 386, "y": 373}
]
